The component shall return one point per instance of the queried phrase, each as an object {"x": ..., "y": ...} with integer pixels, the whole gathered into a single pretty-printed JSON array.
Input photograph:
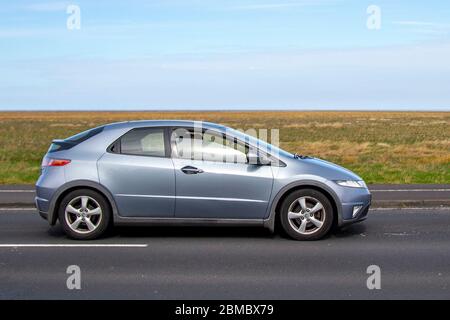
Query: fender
[
  {"x": 270, "y": 221},
  {"x": 53, "y": 211}
]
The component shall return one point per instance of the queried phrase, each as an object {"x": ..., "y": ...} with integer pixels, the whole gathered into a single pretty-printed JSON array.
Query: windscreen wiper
[{"x": 300, "y": 156}]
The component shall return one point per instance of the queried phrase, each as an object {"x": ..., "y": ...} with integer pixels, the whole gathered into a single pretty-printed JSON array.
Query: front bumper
[
  {"x": 354, "y": 198},
  {"x": 360, "y": 216}
]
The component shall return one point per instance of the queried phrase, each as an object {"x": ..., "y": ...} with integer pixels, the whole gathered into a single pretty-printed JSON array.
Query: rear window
[
  {"x": 83, "y": 136},
  {"x": 60, "y": 145}
]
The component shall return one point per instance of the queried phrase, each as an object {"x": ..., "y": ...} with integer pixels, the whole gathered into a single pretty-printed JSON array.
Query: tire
[
  {"x": 306, "y": 214},
  {"x": 88, "y": 216}
]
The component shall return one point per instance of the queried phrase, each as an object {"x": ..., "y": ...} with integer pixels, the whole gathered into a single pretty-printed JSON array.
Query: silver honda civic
[{"x": 189, "y": 173}]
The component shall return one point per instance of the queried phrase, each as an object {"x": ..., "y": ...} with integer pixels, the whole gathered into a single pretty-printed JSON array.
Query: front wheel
[
  {"x": 84, "y": 214},
  {"x": 306, "y": 214}
]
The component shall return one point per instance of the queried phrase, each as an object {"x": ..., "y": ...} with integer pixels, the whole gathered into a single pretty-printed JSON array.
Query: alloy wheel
[
  {"x": 306, "y": 215},
  {"x": 83, "y": 214}
]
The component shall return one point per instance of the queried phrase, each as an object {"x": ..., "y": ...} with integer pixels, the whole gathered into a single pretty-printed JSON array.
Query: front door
[{"x": 209, "y": 185}]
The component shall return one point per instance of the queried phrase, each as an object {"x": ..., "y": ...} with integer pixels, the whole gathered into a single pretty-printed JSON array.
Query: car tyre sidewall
[
  {"x": 104, "y": 223},
  {"x": 329, "y": 214}
]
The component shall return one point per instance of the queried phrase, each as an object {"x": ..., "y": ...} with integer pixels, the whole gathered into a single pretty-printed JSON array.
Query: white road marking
[
  {"x": 18, "y": 191},
  {"x": 411, "y": 190},
  {"x": 58, "y": 245},
  {"x": 411, "y": 208}
]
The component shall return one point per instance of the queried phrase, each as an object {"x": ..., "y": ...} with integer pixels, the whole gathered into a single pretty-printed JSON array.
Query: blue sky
[{"x": 225, "y": 54}]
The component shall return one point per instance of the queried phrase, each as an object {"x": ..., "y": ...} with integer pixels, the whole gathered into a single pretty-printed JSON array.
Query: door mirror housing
[{"x": 258, "y": 159}]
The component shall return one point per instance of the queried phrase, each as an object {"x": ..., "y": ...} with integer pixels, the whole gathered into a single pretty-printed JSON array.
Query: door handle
[{"x": 191, "y": 170}]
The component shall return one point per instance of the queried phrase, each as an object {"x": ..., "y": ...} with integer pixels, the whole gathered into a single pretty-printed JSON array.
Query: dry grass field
[{"x": 382, "y": 147}]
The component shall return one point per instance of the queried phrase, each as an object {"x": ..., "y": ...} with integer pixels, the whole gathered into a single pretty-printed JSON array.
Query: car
[{"x": 190, "y": 173}]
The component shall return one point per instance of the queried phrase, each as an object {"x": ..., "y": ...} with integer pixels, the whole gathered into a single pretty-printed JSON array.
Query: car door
[
  {"x": 137, "y": 169},
  {"x": 210, "y": 185}
]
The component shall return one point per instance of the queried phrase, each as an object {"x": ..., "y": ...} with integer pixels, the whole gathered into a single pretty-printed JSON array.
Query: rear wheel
[
  {"x": 306, "y": 214},
  {"x": 84, "y": 214}
]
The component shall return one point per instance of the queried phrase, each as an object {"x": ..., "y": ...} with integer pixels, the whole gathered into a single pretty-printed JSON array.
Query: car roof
[
  {"x": 190, "y": 123},
  {"x": 166, "y": 123}
]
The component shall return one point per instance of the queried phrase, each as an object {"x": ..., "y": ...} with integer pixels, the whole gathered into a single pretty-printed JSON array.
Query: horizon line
[{"x": 229, "y": 110}]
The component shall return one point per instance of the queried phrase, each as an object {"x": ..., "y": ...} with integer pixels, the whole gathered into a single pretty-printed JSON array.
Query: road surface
[{"x": 411, "y": 246}]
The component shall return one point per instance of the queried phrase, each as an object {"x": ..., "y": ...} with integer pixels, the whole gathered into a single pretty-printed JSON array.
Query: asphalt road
[
  {"x": 384, "y": 195},
  {"x": 410, "y": 246}
]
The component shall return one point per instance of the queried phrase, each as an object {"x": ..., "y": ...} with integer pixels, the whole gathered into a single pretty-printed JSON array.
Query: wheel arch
[
  {"x": 75, "y": 185},
  {"x": 287, "y": 190}
]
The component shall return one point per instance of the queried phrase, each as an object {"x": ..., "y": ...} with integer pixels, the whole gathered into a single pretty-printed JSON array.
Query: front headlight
[{"x": 352, "y": 183}]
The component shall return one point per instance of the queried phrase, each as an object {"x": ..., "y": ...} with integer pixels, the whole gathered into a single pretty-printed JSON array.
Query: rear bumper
[
  {"x": 48, "y": 183},
  {"x": 44, "y": 215},
  {"x": 42, "y": 205}
]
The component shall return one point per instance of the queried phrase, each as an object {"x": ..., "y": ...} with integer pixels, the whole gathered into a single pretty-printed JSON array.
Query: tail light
[{"x": 50, "y": 162}]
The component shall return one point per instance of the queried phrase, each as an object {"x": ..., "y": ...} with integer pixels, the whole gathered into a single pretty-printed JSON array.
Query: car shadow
[
  {"x": 354, "y": 230},
  {"x": 208, "y": 232},
  {"x": 191, "y": 232}
]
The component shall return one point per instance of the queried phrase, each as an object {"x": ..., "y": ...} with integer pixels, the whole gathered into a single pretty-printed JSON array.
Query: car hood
[{"x": 326, "y": 169}]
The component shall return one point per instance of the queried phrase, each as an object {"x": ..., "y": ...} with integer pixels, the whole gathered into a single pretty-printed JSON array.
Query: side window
[
  {"x": 143, "y": 142},
  {"x": 207, "y": 146}
]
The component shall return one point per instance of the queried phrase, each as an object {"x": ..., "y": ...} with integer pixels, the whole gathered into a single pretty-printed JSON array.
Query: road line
[
  {"x": 25, "y": 245},
  {"x": 18, "y": 191},
  {"x": 412, "y": 201},
  {"x": 411, "y": 190},
  {"x": 409, "y": 208}
]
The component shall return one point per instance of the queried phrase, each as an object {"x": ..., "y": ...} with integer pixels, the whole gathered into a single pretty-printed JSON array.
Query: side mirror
[{"x": 258, "y": 159}]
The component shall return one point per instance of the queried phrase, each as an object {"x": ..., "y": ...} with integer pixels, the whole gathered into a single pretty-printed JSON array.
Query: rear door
[{"x": 138, "y": 171}]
